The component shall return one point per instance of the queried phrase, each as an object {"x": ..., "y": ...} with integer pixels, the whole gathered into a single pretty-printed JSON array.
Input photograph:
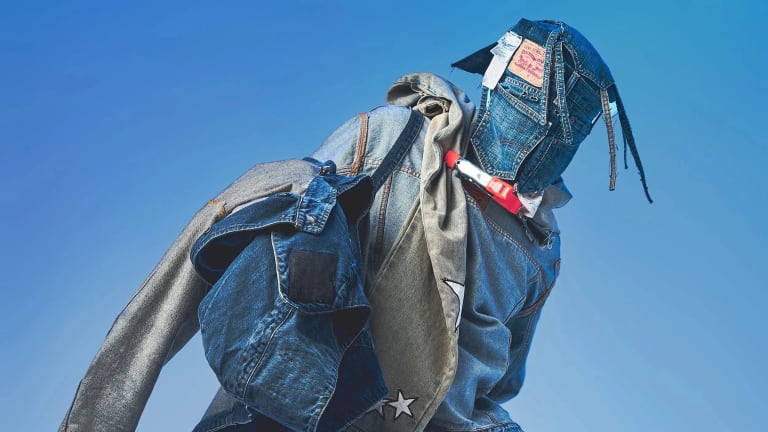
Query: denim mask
[{"x": 533, "y": 117}]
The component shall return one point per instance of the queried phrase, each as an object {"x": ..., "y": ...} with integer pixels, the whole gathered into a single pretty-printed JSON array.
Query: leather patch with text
[{"x": 528, "y": 62}]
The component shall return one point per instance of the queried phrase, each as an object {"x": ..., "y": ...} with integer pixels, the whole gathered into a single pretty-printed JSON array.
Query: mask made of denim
[{"x": 533, "y": 117}]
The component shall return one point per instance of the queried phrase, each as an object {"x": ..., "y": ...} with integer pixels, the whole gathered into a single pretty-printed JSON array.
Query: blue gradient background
[{"x": 117, "y": 123}]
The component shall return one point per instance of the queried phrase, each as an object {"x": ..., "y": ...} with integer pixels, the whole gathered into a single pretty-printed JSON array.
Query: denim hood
[{"x": 544, "y": 88}]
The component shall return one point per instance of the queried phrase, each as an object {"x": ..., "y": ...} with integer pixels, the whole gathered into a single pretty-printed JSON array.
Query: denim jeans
[{"x": 530, "y": 125}]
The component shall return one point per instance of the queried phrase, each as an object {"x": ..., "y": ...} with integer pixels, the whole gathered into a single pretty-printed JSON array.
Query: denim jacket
[
  {"x": 454, "y": 282},
  {"x": 452, "y": 347}
]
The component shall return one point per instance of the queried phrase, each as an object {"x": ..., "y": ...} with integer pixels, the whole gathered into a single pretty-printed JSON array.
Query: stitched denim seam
[
  {"x": 253, "y": 357},
  {"x": 525, "y": 86},
  {"x": 539, "y": 301},
  {"x": 504, "y": 234},
  {"x": 579, "y": 65},
  {"x": 541, "y": 158},
  {"x": 526, "y": 343},
  {"x": 284, "y": 219},
  {"x": 520, "y": 106},
  {"x": 376, "y": 162},
  {"x": 476, "y": 135},
  {"x": 379, "y": 243},
  {"x": 515, "y": 311}
]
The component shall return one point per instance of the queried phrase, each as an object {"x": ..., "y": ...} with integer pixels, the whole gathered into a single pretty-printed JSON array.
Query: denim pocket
[
  {"x": 525, "y": 97},
  {"x": 506, "y": 134}
]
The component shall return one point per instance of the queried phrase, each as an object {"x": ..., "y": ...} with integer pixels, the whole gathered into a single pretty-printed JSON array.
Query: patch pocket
[
  {"x": 319, "y": 276},
  {"x": 505, "y": 137}
]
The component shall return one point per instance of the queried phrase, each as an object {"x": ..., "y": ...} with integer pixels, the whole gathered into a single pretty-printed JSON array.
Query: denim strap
[
  {"x": 398, "y": 150},
  {"x": 606, "y": 105},
  {"x": 629, "y": 140},
  {"x": 362, "y": 139}
]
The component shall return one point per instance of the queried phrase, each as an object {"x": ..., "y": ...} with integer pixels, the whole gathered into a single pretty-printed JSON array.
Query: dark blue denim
[
  {"x": 529, "y": 133},
  {"x": 285, "y": 324}
]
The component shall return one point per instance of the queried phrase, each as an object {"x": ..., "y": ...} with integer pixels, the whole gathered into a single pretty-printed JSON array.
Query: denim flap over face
[
  {"x": 528, "y": 130},
  {"x": 515, "y": 117}
]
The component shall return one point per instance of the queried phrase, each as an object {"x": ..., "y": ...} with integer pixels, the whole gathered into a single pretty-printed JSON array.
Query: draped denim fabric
[
  {"x": 451, "y": 351},
  {"x": 285, "y": 324},
  {"x": 529, "y": 133}
]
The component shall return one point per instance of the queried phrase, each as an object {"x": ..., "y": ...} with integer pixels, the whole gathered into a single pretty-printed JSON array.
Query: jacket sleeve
[
  {"x": 161, "y": 316},
  {"x": 158, "y": 320}
]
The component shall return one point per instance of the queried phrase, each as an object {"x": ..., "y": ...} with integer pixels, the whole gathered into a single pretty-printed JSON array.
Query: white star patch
[
  {"x": 401, "y": 405},
  {"x": 458, "y": 290}
]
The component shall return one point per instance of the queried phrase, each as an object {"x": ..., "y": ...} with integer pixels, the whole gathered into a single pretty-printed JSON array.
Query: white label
[{"x": 502, "y": 54}]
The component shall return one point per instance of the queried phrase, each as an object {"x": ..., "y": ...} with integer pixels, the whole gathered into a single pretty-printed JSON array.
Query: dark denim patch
[{"x": 312, "y": 277}]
